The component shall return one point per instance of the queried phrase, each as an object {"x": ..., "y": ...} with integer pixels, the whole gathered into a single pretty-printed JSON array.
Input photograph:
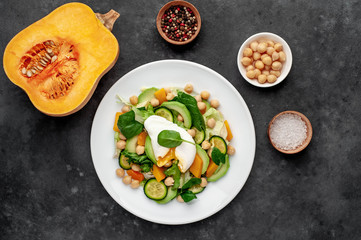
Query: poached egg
[{"x": 185, "y": 153}]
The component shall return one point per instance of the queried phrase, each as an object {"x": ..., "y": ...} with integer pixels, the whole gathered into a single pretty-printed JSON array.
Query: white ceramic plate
[
  {"x": 286, "y": 65},
  {"x": 175, "y": 73}
]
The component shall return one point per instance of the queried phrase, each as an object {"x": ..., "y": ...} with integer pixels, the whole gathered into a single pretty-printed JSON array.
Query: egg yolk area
[{"x": 167, "y": 158}]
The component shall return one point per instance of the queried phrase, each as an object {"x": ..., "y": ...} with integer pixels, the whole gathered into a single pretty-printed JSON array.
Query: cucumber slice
[
  {"x": 163, "y": 112},
  {"x": 123, "y": 163},
  {"x": 218, "y": 142},
  {"x": 131, "y": 144},
  {"x": 182, "y": 110},
  {"x": 155, "y": 190},
  {"x": 220, "y": 172},
  {"x": 147, "y": 95},
  {"x": 172, "y": 193},
  {"x": 149, "y": 150},
  {"x": 196, "y": 189},
  {"x": 199, "y": 137},
  {"x": 204, "y": 156}
]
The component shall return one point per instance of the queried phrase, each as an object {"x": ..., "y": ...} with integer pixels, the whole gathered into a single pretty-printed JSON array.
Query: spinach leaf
[
  {"x": 191, "y": 182},
  {"x": 175, "y": 172},
  {"x": 128, "y": 125},
  {"x": 217, "y": 156},
  {"x": 170, "y": 139},
  {"x": 191, "y": 104},
  {"x": 188, "y": 196},
  {"x": 145, "y": 163}
]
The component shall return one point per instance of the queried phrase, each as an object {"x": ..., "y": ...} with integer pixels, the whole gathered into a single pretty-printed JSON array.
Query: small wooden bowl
[
  {"x": 165, "y": 8},
  {"x": 304, "y": 144}
]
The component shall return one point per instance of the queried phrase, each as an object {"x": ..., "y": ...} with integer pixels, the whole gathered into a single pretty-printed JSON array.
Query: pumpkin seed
[
  {"x": 54, "y": 58},
  {"x": 23, "y": 71},
  {"x": 47, "y": 56},
  {"x": 29, "y": 73}
]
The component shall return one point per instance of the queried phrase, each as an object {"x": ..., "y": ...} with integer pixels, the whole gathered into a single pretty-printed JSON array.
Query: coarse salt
[{"x": 288, "y": 131}]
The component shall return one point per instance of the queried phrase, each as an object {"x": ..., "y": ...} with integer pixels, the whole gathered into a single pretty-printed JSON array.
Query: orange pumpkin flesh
[{"x": 59, "y": 60}]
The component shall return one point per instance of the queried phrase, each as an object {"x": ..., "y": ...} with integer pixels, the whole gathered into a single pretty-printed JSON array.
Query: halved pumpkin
[{"x": 59, "y": 60}]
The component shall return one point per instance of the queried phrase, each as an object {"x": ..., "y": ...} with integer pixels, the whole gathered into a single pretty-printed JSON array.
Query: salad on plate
[{"x": 172, "y": 142}]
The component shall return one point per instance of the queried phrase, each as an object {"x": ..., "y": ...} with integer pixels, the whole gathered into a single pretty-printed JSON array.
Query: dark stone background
[{"x": 49, "y": 188}]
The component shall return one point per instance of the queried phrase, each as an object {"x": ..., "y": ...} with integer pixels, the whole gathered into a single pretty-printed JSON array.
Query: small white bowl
[{"x": 286, "y": 65}]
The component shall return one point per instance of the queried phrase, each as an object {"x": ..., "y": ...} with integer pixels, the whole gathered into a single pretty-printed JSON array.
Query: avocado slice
[
  {"x": 149, "y": 150},
  {"x": 220, "y": 172},
  {"x": 147, "y": 95},
  {"x": 182, "y": 110},
  {"x": 171, "y": 194},
  {"x": 204, "y": 156},
  {"x": 131, "y": 144}
]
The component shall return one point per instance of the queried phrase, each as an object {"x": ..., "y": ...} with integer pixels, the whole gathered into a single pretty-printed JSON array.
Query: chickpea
[
  {"x": 270, "y": 43},
  {"x": 267, "y": 60},
  {"x": 198, "y": 98},
  {"x": 271, "y": 78},
  {"x": 204, "y": 182},
  {"x": 191, "y": 132},
  {"x": 206, "y": 145},
  {"x": 257, "y": 72},
  {"x": 211, "y": 123},
  {"x": 270, "y": 50},
  {"x": 133, "y": 100},
  {"x": 127, "y": 180},
  {"x": 275, "y": 56},
  {"x": 214, "y": 103},
  {"x": 276, "y": 73},
  {"x": 167, "y": 90},
  {"x": 121, "y": 144},
  {"x": 188, "y": 88},
  {"x": 154, "y": 102},
  {"x": 125, "y": 108},
  {"x": 262, "y": 47},
  {"x": 135, "y": 167},
  {"x": 276, "y": 65},
  {"x": 262, "y": 78},
  {"x": 250, "y": 74},
  {"x": 256, "y": 56},
  {"x": 139, "y": 150},
  {"x": 231, "y": 150},
  {"x": 259, "y": 64},
  {"x": 121, "y": 136},
  {"x": 278, "y": 47},
  {"x": 264, "y": 55},
  {"x": 170, "y": 96},
  {"x": 168, "y": 164},
  {"x": 265, "y": 72},
  {"x": 180, "y": 118},
  {"x": 247, "y": 52},
  {"x": 254, "y": 46},
  {"x": 282, "y": 56},
  {"x": 246, "y": 61},
  {"x": 120, "y": 172},
  {"x": 249, "y": 68},
  {"x": 205, "y": 95},
  {"x": 201, "y": 106},
  {"x": 267, "y": 67},
  {"x": 169, "y": 181},
  {"x": 134, "y": 184},
  {"x": 180, "y": 199}
]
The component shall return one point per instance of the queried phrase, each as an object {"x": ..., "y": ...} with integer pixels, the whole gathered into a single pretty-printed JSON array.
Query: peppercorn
[{"x": 179, "y": 23}]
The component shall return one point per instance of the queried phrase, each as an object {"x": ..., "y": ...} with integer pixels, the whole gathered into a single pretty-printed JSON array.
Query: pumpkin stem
[{"x": 108, "y": 19}]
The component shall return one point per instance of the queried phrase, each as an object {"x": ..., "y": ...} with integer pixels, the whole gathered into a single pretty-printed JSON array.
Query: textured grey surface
[{"x": 48, "y": 185}]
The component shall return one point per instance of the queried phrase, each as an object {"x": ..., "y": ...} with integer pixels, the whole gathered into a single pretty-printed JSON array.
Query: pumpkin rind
[{"x": 96, "y": 46}]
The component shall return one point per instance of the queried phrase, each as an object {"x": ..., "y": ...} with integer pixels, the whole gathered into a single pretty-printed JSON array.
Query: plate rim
[{"x": 231, "y": 197}]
